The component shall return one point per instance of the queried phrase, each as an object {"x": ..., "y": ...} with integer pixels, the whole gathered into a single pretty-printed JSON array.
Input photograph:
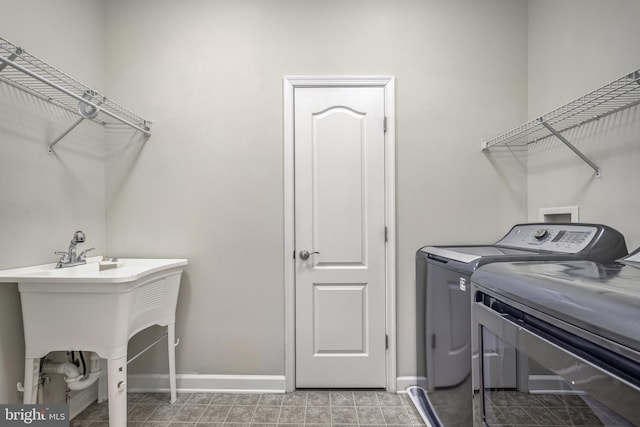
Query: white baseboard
[
  {"x": 402, "y": 383},
  {"x": 81, "y": 399},
  {"x": 190, "y": 383}
]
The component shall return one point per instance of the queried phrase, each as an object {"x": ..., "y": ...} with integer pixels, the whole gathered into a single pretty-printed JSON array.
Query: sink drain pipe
[{"x": 72, "y": 376}]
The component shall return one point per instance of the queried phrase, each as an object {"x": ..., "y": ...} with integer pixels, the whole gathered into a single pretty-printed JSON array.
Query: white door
[{"x": 340, "y": 221}]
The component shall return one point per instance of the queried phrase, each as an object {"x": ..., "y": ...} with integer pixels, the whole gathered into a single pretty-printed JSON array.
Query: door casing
[{"x": 290, "y": 83}]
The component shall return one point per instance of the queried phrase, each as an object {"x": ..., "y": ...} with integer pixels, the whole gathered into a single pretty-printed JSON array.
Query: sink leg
[
  {"x": 31, "y": 375},
  {"x": 117, "y": 378},
  {"x": 103, "y": 381},
  {"x": 171, "y": 340}
]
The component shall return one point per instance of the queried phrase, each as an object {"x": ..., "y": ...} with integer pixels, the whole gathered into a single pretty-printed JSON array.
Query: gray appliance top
[
  {"x": 601, "y": 298},
  {"x": 586, "y": 241}
]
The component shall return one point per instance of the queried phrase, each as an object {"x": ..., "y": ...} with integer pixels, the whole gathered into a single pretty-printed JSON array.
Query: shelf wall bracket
[
  {"x": 86, "y": 111},
  {"x": 571, "y": 147},
  {"x": 65, "y": 133}
]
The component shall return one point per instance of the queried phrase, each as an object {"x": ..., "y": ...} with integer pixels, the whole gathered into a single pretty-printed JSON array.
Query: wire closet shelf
[
  {"x": 26, "y": 72},
  {"x": 618, "y": 95}
]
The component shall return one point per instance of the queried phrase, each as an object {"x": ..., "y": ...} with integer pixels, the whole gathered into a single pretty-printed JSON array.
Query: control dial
[{"x": 540, "y": 233}]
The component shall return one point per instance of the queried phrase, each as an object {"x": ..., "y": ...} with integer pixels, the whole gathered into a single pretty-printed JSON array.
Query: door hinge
[
  {"x": 384, "y": 125},
  {"x": 294, "y": 254},
  {"x": 433, "y": 341},
  {"x": 386, "y": 342},
  {"x": 386, "y": 234}
]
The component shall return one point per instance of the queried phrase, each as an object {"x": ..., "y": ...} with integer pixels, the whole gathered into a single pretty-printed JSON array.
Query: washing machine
[
  {"x": 572, "y": 329},
  {"x": 443, "y": 394}
]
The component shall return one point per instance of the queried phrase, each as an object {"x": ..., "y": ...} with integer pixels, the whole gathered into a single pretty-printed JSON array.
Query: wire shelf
[
  {"x": 26, "y": 72},
  {"x": 611, "y": 98}
]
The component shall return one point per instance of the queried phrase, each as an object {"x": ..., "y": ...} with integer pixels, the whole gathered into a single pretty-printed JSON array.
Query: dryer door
[{"x": 586, "y": 390}]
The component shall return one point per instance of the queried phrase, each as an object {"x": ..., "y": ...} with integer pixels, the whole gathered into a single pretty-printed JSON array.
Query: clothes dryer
[
  {"x": 573, "y": 327},
  {"x": 443, "y": 395}
]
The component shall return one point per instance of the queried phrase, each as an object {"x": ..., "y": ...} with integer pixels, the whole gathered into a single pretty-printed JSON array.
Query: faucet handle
[
  {"x": 64, "y": 255},
  {"x": 83, "y": 254}
]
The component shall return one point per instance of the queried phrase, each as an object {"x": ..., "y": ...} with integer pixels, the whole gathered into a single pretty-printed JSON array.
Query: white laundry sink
[
  {"x": 85, "y": 308},
  {"x": 90, "y": 309},
  {"x": 125, "y": 270}
]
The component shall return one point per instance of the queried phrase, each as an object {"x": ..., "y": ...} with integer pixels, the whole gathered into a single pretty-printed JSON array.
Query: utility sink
[
  {"x": 124, "y": 270},
  {"x": 96, "y": 307}
]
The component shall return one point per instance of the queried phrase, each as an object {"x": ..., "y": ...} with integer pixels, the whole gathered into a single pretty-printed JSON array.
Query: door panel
[
  {"x": 338, "y": 190},
  {"x": 339, "y": 213},
  {"x": 340, "y": 319}
]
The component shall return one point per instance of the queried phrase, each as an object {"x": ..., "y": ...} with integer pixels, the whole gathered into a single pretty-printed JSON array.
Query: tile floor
[
  {"x": 309, "y": 408},
  {"x": 506, "y": 408}
]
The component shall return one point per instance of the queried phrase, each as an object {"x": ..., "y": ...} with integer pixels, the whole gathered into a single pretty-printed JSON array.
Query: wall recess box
[{"x": 559, "y": 214}]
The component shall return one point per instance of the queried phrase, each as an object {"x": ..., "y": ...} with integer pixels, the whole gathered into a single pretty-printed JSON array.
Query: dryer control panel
[{"x": 565, "y": 238}]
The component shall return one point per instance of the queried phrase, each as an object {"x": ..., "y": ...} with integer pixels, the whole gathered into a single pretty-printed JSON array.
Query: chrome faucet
[{"x": 71, "y": 258}]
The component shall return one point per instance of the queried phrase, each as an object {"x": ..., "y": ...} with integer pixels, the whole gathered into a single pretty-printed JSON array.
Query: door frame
[{"x": 290, "y": 83}]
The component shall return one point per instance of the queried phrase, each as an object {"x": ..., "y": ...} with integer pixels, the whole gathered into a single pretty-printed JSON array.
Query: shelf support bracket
[
  {"x": 571, "y": 147},
  {"x": 85, "y": 110},
  {"x": 65, "y": 133}
]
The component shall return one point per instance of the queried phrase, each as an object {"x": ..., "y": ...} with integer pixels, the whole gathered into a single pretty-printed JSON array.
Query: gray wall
[
  {"x": 208, "y": 185},
  {"x": 44, "y": 199},
  {"x": 576, "y": 46}
]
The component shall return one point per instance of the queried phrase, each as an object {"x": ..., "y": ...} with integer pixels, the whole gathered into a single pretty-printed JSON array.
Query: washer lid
[
  {"x": 469, "y": 254},
  {"x": 603, "y": 299}
]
